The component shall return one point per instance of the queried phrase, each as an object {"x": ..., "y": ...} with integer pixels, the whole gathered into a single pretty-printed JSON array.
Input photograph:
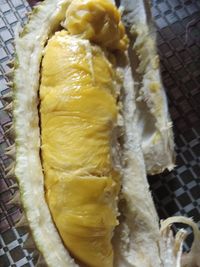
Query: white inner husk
[{"x": 153, "y": 120}]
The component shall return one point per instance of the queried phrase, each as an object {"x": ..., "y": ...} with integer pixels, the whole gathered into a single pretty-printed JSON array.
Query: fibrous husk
[
  {"x": 191, "y": 258},
  {"x": 154, "y": 123}
]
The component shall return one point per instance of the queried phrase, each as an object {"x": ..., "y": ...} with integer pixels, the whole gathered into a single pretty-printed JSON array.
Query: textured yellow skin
[{"x": 78, "y": 113}]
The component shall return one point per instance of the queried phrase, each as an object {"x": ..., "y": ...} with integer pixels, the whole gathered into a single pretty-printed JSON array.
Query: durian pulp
[
  {"x": 78, "y": 114},
  {"x": 79, "y": 111}
]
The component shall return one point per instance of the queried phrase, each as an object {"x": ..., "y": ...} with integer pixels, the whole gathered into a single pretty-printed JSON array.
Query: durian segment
[
  {"x": 28, "y": 170},
  {"x": 98, "y": 21},
  {"x": 154, "y": 122},
  {"x": 78, "y": 115}
]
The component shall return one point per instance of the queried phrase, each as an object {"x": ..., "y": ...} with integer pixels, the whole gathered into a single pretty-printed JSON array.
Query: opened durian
[{"x": 81, "y": 148}]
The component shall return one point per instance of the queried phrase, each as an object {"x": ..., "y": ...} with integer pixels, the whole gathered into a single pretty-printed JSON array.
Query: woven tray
[{"x": 175, "y": 193}]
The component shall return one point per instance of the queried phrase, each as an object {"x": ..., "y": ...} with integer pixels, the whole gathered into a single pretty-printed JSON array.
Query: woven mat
[{"x": 175, "y": 193}]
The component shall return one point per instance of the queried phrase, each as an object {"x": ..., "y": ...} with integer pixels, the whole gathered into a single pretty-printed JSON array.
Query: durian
[{"x": 56, "y": 173}]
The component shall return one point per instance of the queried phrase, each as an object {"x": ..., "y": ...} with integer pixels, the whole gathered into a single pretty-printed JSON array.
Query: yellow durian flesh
[
  {"x": 98, "y": 21},
  {"x": 78, "y": 114}
]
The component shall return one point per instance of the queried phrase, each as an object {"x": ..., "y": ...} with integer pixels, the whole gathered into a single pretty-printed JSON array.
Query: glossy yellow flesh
[
  {"x": 78, "y": 113},
  {"x": 98, "y": 21}
]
